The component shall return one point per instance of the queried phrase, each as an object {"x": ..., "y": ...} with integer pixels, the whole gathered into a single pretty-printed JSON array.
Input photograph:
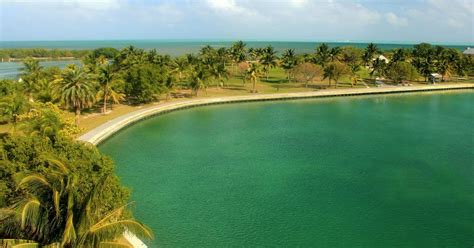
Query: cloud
[
  {"x": 396, "y": 20},
  {"x": 298, "y": 3},
  {"x": 428, "y": 20},
  {"x": 225, "y": 5}
]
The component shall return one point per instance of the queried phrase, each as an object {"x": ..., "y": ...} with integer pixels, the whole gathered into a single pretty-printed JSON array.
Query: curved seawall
[{"x": 107, "y": 129}]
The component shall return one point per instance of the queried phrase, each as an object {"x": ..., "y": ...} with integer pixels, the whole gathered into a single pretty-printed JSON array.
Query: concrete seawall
[{"x": 107, "y": 129}]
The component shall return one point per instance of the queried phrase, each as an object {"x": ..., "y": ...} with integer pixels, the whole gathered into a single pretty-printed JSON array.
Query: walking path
[{"x": 105, "y": 130}]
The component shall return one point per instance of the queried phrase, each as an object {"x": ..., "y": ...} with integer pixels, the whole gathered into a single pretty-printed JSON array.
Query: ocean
[{"x": 180, "y": 47}]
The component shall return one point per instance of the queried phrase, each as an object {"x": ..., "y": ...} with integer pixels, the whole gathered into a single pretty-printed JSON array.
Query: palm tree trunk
[
  {"x": 104, "y": 110},
  {"x": 78, "y": 114}
]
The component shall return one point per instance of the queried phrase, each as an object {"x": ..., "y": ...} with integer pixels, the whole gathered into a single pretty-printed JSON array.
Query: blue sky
[{"x": 315, "y": 20}]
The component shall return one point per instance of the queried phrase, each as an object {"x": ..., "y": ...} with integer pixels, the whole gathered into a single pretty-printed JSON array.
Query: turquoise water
[
  {"x": 179, "y": 47},
  {"x": 379, "y": 171},
  {"x": 11, "y": 70}
]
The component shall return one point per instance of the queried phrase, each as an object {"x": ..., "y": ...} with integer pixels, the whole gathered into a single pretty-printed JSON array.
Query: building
[
  {"x": 435, "y": 77},
  {"x": 382, "y": 58},
  {"x": 469, "y": 51}
]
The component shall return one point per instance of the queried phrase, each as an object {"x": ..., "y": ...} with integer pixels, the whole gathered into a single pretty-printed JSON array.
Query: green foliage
[
  {"x": 107, "y": 52},
  {"x": 12, "y": 106},
  {"x": 75, "y": 88},
  {"x": 65, "y": 193},
  {"x": 19, "y": 53},
  {"x": 268, "y": 59},
  {"x": 144, "y": 82},
  {"x": 8, "y": 87},
  {"x": 402, "y": 71},
  {"x": 307, "y": 72},
  {"x": 334, "y": 71},
  {"x": 322, "y": 55},
  {"x": 47, "y": 120},
  {"x": 288, "y": 61}
]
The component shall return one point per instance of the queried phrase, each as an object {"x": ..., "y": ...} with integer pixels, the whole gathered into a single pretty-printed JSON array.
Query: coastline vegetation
[{"x": 55, "y": 190}]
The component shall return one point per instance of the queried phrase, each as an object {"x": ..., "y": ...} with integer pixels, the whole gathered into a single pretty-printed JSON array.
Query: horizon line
[{"x": 257, "y": 40}]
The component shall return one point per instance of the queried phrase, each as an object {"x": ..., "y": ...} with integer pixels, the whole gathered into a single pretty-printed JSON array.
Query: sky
[{"x": 285, "y": 20}]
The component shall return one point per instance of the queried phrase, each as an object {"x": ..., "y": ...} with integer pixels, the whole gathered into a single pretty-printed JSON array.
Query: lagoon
[{"x": 376, "y": 171}]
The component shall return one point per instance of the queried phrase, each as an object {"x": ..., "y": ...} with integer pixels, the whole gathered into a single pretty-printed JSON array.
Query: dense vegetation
[
  {"x": 20, "y": 53},
  {"x": 56, "y": 190}
]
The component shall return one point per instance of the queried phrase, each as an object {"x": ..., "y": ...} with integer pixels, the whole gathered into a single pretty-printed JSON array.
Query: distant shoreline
[
  {"x": 180, "y": 47},
  {"x": 104, "y": 131}
]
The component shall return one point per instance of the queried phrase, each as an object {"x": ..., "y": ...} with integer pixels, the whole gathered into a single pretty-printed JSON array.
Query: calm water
[
  {"x": 12, "y": 70},
  {"x": 384, "y": 171}
]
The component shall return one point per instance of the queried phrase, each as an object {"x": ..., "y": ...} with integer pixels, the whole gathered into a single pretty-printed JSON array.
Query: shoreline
[{"x": 107, "y": 129}]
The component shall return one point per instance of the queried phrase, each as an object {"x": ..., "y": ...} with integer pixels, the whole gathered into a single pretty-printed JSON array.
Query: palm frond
[
  {"x": 130, "y": 225},
  {"x": 30, "y": 212},
  {"x": 35, "y": 180},
  {"x": 114, "y": 245}
]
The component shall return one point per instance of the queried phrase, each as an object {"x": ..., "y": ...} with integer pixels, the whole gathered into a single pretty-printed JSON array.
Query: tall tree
[
  {"x": 423, "y": 59},
  {"x": 108, "y": 80},
  {"x": 238, "y": 52},
  {"x": 268, "y": 59},
  {"x": 402, "y": 71},
  {"x": 253, "y": 73},
  {"x": 370, "y": 51},
  {"x": 307, "y": 72},
  {"x": 334, "y": 54},
  {"x": 334, "y": 71},
  {"x": 322, "y": 55},
  {"x": 31, "y": 75},
  {"x": 75, "y": 88},
  {"x": 288, "y": 62},
  {"x": 199, "y": 78},
  {"x": 378, "y": 67}
]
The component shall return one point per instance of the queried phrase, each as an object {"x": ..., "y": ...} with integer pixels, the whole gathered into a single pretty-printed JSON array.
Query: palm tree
[
  {"x": 370, "y": 52},
  {"x": 323, "y": 55},
  {"x": 400, "y": 54},
  {"x": 253, "y": 73},
  {"x": 52, "y": 213},
  {"x": 334, "y": 71},
  {"x": 31, "y": 73},
  {"x": 334, "y": 54},
  {"x": 75, "y": 88},
  {"x": 107, "y": 79},
  {"x": 378, "y": 67},
  {"x": 237, "y": 52},
  {"x": 180, "y": 65},
  {"x": 289, "y": 61},
  {"x": 268, "y": 59},
  {"x": 198, "y": 79}
]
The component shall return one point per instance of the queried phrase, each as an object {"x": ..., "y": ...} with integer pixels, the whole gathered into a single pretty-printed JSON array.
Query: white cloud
[
  {"x": 241, "y": 19},
  {"x": 298, "y": 3},
  {"x": 225, "y": 5},
  {"x": 395, "y": 20}
]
